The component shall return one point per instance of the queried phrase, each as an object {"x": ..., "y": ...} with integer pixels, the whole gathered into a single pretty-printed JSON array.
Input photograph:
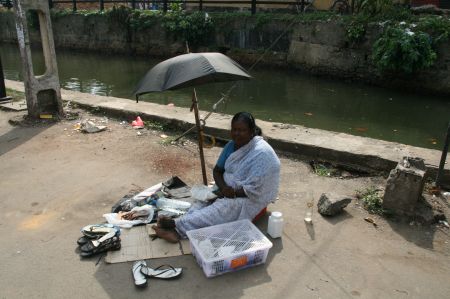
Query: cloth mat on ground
[{"x": 137, "y": 245}]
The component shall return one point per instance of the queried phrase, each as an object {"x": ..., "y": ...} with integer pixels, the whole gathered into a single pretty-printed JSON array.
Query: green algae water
[{"x": 272, "y": 95}]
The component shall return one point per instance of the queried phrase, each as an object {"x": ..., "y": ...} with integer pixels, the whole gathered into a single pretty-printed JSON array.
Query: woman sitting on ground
[{"x": 247, "y": 174}]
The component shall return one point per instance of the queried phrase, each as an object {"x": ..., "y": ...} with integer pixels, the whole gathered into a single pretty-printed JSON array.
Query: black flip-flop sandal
[
  {"x": 90, "y": 249},
  {"x": 84, "y": 239}
]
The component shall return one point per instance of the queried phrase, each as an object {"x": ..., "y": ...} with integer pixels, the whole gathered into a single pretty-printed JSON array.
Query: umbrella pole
[{"x": 200, "y": 136}]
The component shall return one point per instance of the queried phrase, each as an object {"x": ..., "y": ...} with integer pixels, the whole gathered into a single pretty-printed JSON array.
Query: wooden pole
[{"x": 199, "y": 135}]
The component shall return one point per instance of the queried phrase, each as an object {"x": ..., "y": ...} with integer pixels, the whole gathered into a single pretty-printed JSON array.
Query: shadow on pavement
[
  {"x": 117, "y": 281},
  {"x": 344, "y": 215},
  {"x": 422, "y": 236},
  {"x": 18, "y": 136}
]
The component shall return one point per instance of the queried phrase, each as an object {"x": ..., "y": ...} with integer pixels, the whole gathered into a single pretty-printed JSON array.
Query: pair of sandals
[
  {"x": 98, "y": 238},
  {"x": 141, "y": 272}
]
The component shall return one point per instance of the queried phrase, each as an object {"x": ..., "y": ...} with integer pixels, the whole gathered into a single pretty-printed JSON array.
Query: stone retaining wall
[{"x": 314, "y": 47}]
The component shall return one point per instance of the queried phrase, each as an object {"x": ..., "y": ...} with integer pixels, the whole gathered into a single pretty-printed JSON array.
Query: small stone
[
  {"x": 331, "y": 204},
  {"x": 346, "y": 174}
]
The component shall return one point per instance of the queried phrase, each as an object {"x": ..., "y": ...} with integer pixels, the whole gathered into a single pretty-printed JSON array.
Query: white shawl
[{"x": 256, "y": 168}]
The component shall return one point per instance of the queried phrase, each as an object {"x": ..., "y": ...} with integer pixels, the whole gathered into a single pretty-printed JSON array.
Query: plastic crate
[{"x": 228, "y": 247}]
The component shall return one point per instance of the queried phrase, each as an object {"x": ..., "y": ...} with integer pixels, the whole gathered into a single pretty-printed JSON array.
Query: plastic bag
[
  {"x": 203, "y": 193},
  {"x": 113, "y": 218}
]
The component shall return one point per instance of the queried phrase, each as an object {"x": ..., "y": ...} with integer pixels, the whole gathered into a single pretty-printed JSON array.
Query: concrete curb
[{"x": 353, "y": 152}]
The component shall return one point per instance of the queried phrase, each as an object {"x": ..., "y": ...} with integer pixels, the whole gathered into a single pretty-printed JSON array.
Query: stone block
[
  {"x": 331, "y": 204},
  {"x": 405, "y": 185}
]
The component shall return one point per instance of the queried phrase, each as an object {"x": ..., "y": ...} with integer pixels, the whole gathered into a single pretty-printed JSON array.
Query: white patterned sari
[{"x": 255, "y": 168}]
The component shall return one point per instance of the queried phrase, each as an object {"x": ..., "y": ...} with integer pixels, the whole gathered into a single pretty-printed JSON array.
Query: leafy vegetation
[
  {"x": 356, "y": 30},
  {"x": 372, "y": 7},
  {"x": 407, "y": 44},
  {"x": 324, "y": 169},
  {"x": 436, "y": 26},
  {"x": 195, "y": 28},
  {"x": 400, "y": 49},
  {"x": 155, "y": 125},
  {"x": 371, "y": 199}
]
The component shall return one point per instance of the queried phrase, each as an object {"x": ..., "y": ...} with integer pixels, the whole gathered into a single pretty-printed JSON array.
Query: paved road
[{"x": 53, "y": 181}]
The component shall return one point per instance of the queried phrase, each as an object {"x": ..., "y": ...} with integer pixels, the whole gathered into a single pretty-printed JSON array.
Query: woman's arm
[
  {"x": 226, "y": 190},
  {"x": 220, "y": 182}
]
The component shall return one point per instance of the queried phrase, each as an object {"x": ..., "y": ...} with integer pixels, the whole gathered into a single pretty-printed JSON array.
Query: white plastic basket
[{"x": 228, "y": 247}]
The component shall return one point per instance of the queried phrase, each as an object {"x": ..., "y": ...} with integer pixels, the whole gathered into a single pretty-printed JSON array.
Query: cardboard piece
[{"x": 137, "y": 245}]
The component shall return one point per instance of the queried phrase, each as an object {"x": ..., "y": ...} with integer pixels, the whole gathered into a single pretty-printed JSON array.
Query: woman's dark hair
[{"x": 249, "y": 120}]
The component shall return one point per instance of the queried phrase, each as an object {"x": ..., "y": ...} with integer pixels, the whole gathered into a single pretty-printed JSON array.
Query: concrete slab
[{"x": 14, "y": 105}]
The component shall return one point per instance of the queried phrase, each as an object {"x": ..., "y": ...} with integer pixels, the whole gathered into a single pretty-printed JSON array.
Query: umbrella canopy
[{"x": 191, "y": 70}]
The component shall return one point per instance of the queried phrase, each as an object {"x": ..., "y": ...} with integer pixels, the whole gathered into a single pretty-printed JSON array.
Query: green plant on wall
[
  {"x": 401, "y": 50},
  {"x": 118, "y": 15},
  {"x": 372, "y": 7},
  {"x": 436, "y": 26},
  {"x": 355, "y": 30},
  {"x": 195, "y": 28},
  {"x": 140, "y": 20}
]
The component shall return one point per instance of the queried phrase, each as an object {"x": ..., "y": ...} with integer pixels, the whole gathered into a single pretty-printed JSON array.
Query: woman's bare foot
[
  {"x": 165, "y": 222},
  {"x": 168, "y": 235}
]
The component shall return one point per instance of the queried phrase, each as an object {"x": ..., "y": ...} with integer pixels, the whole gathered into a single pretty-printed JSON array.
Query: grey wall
[{"x": 314, "y": 47}]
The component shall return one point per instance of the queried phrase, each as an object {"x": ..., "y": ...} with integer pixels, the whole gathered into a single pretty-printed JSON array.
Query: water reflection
[{"x": 274, "y": 95}]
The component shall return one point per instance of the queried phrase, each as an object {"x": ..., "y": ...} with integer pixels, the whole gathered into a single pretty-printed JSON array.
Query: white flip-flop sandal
[
  {"x": 139, "y": 278},
  {"x": 162, "y": 272}
]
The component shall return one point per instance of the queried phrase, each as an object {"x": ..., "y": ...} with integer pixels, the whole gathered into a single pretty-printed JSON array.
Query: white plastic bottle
[
  {"x": 275, "y": 227},
  {"x": 173, "y": 204}
]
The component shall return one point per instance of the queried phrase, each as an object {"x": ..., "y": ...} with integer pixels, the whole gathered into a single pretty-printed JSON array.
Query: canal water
[{"x": 273, "y": 95}]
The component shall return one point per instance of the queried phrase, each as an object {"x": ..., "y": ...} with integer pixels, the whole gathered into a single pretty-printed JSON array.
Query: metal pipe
[
  {"x": 443, "y": 157},
  {"x": 3, "y": 96},
  {"x": 2, "y": 82}
]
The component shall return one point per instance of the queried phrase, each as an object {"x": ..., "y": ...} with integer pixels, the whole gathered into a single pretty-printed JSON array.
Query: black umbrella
[{"x": 191, "y": 70}]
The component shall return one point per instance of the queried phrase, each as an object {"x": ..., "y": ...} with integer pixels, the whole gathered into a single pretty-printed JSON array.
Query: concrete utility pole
[{"x": 42, "y": 92}]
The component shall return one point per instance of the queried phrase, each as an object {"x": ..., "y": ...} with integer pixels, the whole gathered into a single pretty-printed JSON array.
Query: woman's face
[{"x": 240, "y": 133}]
